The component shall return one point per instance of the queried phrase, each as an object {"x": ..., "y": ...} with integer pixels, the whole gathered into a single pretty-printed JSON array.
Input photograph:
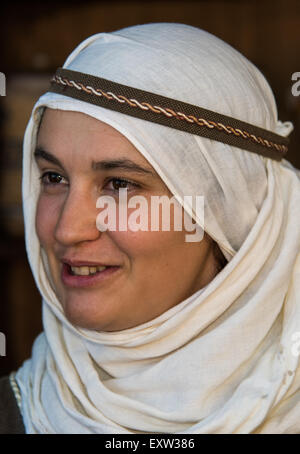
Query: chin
[{"x": 83, "y": 312}]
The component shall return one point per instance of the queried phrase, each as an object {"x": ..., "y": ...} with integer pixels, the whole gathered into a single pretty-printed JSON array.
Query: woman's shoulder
[{"x": 11, "y": 421}]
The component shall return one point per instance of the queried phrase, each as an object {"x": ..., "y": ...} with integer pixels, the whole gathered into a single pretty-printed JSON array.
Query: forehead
[{"x": 75, "y": 134}]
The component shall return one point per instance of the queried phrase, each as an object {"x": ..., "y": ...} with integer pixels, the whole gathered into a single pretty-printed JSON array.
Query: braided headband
[{"x": 168, "y": 112}]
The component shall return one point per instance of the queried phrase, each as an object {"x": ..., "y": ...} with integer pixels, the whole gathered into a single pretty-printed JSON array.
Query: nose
[{"x": 77, "y": 219}]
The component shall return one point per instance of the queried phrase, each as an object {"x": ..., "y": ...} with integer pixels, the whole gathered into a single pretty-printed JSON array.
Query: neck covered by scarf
[{"x": 223, "y": 360}]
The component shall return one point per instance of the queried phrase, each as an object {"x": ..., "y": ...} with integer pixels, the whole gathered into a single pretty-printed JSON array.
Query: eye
[
  {"x": 52, "y": 178},
  {"x": 114, "y": 184}
]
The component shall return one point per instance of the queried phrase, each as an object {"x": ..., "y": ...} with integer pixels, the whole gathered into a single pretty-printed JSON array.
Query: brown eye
[
  {"x": 119, "y": 184},
  {"x": 114, "y": 184},
  {"x": 52, "y": 178}
]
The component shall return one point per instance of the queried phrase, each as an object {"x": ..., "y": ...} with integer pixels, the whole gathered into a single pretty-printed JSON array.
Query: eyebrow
[
  {"x": 124, "y": 164},
  {"x": 40, "y": 153},
  {"x": 106, "y": 164}
]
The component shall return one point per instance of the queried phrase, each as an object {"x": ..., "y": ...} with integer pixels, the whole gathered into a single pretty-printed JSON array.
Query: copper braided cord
[{"x": 252, "y": 139}]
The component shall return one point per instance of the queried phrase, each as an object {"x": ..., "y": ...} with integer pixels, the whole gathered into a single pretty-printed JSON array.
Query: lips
[{"x": 79, "y": 274}]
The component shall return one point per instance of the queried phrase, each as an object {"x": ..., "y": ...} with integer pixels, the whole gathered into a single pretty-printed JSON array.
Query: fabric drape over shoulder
[{"x": 225, "y": 360}]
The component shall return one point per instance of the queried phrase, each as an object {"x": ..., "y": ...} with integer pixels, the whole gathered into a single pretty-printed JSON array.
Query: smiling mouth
[
  {"x": 86, "y": 270},
  {"x": 84, "y": 275}
]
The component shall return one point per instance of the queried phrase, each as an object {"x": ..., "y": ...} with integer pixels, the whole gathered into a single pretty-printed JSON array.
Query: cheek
[
  {"x": 46, "y": 219},
  {"x": 150, "y": 250},
  {"x": 150, "y": 243}
]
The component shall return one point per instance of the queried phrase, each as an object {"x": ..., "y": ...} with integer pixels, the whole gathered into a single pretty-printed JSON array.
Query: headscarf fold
[{"x": 223, "y": 360}]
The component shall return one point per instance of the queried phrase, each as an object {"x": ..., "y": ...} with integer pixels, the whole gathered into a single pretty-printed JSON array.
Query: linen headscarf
[{"x": 224, "y": 360}]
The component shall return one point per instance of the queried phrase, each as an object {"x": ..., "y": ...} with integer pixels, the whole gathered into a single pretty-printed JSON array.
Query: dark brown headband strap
[{"x": 168, "y": 112}]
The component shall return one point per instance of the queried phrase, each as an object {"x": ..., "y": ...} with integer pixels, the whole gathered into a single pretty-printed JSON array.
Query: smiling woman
[
  {"x": 145, "y": 332},
  {"x": 117, "y": 279}
]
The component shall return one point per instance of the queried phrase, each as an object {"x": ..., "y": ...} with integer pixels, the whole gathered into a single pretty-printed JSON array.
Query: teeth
[{"x": 86, "y": 270}]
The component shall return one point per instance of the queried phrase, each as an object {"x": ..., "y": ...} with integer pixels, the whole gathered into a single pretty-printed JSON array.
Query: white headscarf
[{"x": 223, "y": 360}]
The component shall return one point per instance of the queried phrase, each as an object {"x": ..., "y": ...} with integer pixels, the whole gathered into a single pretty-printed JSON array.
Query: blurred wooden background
[{"x": 36, "y": 38}]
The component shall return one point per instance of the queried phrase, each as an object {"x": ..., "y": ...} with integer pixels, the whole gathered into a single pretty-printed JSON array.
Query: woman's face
[{"x": 81, "y": 158}]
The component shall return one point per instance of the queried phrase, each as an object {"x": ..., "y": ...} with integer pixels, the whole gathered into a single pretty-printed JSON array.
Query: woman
[{"x": 146, "y": 331}]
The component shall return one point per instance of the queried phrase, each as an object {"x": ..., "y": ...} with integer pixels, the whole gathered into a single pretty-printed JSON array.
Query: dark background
[{"x": 36, "y": 38}]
